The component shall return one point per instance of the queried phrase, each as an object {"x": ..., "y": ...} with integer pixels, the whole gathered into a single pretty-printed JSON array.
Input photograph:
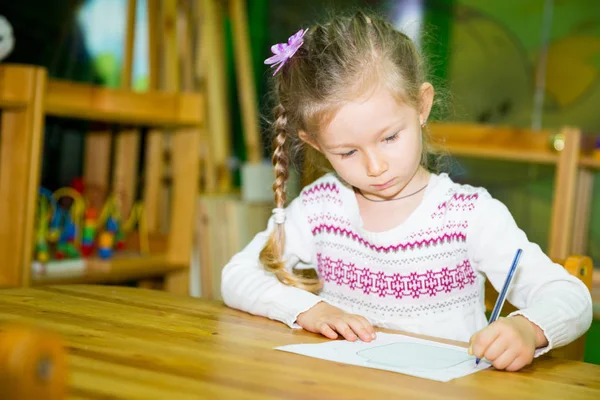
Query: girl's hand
[
  {"x": 508, "y": 343},
  {"x": 326, "y": 319}
]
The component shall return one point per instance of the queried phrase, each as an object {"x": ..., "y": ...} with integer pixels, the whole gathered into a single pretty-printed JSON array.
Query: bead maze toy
[{"x": 70, "y": 230}]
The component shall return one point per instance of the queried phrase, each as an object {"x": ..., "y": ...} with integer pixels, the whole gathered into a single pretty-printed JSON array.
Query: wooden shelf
[
  {"x": 494, "y": 142},
  {"x": 589, "y": 162},
  {"x": 94, "y": 103},
  {"x": 119, "y": 269},
  {"x": 508, "y": 154}
]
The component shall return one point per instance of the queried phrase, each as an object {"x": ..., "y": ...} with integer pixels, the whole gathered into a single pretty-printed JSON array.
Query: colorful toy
[
  {"x": 69, "y": 228},
  {"x": 69, "y": 240},
  {"x": 41, "y": 245},
  {"x": 89, "y": 232}
]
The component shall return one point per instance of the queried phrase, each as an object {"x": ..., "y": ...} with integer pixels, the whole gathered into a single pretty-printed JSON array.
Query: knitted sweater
[{"x": 424, "y": 276}]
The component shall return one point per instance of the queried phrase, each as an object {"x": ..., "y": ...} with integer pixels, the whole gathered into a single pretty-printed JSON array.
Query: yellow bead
[
  {"x": 106, "y": 239},
  {"x": 43, "y": 257}
]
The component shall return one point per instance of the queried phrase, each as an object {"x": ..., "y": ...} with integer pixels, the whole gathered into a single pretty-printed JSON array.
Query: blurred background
[{"x": 493, "y": 58}]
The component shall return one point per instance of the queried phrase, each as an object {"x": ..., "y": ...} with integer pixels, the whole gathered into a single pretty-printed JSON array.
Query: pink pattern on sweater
[
  {"x": 415, "y": 284},
  {"x": 328, "y": 217},
  {"x": 444, "y": 238},
  {"x": 458, "y": 202},
  {"x": 323, "y": 193}
]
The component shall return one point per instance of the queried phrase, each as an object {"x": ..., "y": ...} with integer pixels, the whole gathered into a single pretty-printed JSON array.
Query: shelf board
[
  {"x": 589, "y": 162},
  {"x": 95, "y": 103},
  {"x": 121, "y": 268},
  {"x": 508, "y": 154}
]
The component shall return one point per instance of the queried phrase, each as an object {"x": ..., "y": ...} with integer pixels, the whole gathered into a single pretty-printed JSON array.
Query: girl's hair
[{"x": 339, "y": 61}]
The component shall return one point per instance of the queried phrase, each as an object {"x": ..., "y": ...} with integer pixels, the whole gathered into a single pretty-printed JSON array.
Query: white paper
[{"x": 397, "y": 353}]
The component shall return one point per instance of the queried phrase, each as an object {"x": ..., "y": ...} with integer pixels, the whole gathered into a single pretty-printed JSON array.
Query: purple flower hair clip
[{"x": 285, "y": 51}]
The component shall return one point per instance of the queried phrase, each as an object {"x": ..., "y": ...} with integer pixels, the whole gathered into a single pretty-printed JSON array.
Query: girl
[{"x": 393, "y": 244}]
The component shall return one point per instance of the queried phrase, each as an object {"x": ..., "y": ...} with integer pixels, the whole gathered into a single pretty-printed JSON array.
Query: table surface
[{"x": 127, "y": 343}]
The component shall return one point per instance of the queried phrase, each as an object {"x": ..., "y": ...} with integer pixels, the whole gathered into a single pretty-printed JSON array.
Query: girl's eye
[
  {"x": 391, "y": 138},
  {"x": 348, "y": 154}
]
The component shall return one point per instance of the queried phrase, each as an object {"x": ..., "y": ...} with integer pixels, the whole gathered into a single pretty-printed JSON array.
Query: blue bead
[{"x": 104, "y": 253}]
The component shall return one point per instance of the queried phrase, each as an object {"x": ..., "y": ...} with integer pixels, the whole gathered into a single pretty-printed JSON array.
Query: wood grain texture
[
  {"x": 245, "y": 80},
  {"x": 94, "y": 103},
  {"x": 493, "y": 142},
  {"x": 21, "y": 137},
  {"x": 563, "y": 198},
  {"x": 127, "y": 343}
]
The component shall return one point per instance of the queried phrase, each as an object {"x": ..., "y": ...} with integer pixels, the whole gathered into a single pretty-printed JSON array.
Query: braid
[
  {"x": 271, "y": 255},
  {"x": 280, "y": 157}
]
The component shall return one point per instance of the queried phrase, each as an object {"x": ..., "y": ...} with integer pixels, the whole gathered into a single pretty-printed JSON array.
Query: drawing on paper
[
  {"x": 415, "y": 356},
  {"x": 398, "y": 353}
]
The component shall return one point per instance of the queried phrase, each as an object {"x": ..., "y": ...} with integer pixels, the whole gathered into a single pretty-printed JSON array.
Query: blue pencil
[{"x": 502, "y": 296}]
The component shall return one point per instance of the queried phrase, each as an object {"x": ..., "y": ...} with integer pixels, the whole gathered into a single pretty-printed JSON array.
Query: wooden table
[{"x": 127, "y": 343}]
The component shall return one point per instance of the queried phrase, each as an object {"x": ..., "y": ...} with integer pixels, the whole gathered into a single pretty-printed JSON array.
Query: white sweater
[{"x": 424, "y": 276}]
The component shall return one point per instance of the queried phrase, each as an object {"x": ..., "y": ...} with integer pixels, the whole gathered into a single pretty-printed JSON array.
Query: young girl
[{"x": 393, "y": 244}]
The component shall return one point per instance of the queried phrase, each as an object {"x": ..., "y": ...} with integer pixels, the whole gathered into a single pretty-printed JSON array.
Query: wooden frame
[
  {"x": 524, "y": 145},
  {"x": 21, "y": 132},
  {"x": 182, "y": 113},
  {"x": 588, "y": 165},
  {"x": 585, "y": 187}
]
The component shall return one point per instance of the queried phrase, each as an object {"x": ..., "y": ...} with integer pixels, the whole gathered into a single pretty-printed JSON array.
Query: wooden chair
[
  {"x": 32, "y": 364},
  {"x": 523, "y": 145},
  {"x": 588, "y": 166},
  {"x": 580, "y": 266},
  {"x": 179, "y": 113}
]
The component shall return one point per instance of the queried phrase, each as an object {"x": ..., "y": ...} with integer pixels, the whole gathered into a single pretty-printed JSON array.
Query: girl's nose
[{"x": 376, "y": 165}]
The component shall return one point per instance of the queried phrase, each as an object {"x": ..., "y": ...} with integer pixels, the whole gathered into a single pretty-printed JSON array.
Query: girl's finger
[
  {"x": 498, "y": 347},
  {"x": 517, "y": 364},
  {"x": 482, "y": 340},
  {"x": 341, "y": 326},
  {"x": 359, "y": 329},
  {"x": 326, "y": 331},
  {"x": 505, "y": 359},
  {"x": 368, "y": 326}
]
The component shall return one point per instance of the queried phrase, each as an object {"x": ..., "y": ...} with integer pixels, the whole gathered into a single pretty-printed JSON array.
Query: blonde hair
[{"x": 338, "y": 61}]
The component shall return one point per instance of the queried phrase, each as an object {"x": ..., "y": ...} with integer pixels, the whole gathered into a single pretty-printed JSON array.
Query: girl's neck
[{"x": 381, "y": 216}]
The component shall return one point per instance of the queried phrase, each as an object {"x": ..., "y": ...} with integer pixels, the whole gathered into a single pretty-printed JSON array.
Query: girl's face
[{"x": 375, "y": 144}]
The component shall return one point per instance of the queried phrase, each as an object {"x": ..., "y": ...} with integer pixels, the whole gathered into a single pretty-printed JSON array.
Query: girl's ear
[
  {"x": 308, "y": 139},
  {"x": 427, "y": 93}
]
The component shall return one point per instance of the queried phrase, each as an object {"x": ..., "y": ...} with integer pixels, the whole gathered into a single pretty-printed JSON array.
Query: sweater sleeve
[
  {"x": 246, "y": 286},
  {"x": 543, "y": 291}
]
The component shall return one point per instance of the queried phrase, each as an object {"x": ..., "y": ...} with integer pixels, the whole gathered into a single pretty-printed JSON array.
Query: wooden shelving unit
[
  {"x": 126, "y": 266},
  {"x": 26, "y": 98},
  {"x": 120, "y": 269}
]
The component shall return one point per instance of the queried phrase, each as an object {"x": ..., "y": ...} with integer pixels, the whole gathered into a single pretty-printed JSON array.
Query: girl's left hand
[{"x": 508, "y": 343}]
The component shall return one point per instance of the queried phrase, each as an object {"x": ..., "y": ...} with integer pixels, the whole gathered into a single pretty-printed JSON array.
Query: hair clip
[
  {"x": 279, "y": 214},
  {"x": 285, "y": 51}
]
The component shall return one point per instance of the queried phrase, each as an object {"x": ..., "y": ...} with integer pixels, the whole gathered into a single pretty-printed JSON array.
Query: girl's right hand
[{"x": 326, "y": 319}]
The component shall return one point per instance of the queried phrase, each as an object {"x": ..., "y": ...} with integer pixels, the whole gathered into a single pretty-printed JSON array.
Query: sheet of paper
[{"x": 397, "y": 353}]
